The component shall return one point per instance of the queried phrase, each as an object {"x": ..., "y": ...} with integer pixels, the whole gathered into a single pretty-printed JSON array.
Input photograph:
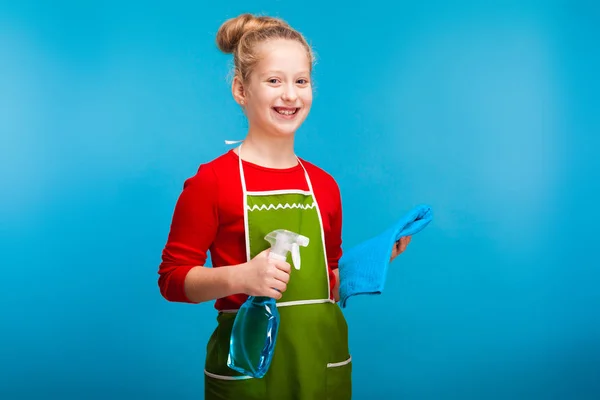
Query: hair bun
[{"x": 232, "y": 30}]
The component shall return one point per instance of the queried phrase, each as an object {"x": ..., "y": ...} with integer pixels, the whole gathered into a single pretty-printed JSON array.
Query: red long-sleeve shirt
[{"x": 209, "y": 216}]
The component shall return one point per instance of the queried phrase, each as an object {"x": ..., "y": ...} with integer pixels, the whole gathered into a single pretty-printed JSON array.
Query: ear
[{"x": 238, "y": 91}]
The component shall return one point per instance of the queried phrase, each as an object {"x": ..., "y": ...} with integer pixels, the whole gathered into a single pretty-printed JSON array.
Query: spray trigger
[
  {"x": 283, "y": 241},
  {"x": 296, "y": 255}
]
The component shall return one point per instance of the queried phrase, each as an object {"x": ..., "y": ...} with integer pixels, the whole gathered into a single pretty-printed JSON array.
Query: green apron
[{"x": 311, "y": 359}]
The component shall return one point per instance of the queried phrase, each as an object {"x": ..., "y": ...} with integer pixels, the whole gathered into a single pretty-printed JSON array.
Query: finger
[
  {"x": 401, "y": 243},
  {"x": 276, "y": 294},
  {"x": 282, "y": 276},
  {"x": 281, "y": 286},
  {"x": 404, "y": 241},
  {"x": 277, "y": 284},
  {"x": 283, "y": 266},
  {"x": 271, "y": 270},
  {"x": 264, "y": 253}
]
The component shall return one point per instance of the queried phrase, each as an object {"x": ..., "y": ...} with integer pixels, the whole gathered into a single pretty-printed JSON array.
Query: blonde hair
[{"x": 241, "y": 34}]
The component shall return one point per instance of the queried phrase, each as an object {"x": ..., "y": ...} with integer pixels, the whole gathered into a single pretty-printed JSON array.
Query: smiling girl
[{"x": 235, "y": 200}]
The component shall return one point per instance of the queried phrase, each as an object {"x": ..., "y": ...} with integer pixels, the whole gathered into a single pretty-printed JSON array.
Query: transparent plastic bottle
[
  {"x": 253, "y": 337},
  {"x": 256, "y": 324}
]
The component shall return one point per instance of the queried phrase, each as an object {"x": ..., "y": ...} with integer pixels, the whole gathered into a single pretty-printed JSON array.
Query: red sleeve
[
  {"x": 334, "y": 239},
  {"x": 193, "y": 228}
]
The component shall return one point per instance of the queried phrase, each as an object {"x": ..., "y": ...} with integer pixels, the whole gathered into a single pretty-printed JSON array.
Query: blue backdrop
[{"x": 487, "y": 113}]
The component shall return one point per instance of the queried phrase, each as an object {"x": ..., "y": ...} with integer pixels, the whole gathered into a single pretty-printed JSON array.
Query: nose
[{"x": 289, "y": 93}]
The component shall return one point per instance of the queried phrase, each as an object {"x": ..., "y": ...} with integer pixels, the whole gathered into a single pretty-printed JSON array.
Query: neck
[{"x": 269, "y": 152}]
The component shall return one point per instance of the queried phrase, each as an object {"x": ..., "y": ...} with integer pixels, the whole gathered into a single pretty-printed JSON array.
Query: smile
[{"x": 287, "y": 112}]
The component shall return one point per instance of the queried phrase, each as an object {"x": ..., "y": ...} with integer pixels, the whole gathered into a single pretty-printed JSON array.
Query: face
[{"x": 278, "y": 96}]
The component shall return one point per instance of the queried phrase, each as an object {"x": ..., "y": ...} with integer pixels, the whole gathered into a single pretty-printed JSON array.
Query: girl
[{"x": 235, "y": 200}]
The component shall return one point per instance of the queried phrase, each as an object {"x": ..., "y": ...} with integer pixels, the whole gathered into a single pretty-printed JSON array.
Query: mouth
[{"x": 286, "y": 112}]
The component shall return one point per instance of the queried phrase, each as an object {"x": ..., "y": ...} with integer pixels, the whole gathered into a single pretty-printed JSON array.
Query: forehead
[{"x": 288, "y": 56}]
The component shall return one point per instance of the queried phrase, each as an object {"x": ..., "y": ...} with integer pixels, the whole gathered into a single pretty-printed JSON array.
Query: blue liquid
[{"x": 253, "y": 337}]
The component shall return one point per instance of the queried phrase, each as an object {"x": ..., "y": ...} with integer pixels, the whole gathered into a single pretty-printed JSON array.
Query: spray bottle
[{"x": 256, "y": 324}]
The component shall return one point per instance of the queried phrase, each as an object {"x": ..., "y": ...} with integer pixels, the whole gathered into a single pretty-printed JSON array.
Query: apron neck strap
[{"x": 310, "y": 188}]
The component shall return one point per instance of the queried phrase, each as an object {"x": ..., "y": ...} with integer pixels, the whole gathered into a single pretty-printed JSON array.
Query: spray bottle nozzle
[{"x": 283, "y": 241}]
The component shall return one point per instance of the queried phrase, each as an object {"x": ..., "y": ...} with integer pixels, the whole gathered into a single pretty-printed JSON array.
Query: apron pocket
[
  {"x": 221, "y": 382},
  {"x": 223, "y": 388},
  {"x": 339, "y": 380}
]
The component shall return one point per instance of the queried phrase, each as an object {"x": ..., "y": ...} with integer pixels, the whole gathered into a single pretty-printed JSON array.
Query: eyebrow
[{"x": 277, "y": 72}]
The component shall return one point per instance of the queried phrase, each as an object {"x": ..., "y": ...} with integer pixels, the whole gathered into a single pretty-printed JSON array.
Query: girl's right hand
[{"x": 264, "y": 276}]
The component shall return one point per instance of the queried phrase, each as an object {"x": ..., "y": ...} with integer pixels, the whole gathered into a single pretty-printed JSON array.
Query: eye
[
  {"x": 273, "y": 81},
  {"x": 302, "y": 81}
]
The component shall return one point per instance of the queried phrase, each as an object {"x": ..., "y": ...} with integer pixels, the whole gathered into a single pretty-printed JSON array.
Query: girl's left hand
[{"x": 399, "y": 247}]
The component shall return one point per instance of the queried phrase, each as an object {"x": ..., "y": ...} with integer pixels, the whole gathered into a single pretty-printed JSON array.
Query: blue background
[{"x": 487, "y": 113}]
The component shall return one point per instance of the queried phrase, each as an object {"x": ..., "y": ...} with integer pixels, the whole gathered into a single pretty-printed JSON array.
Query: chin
[{"x": 278, "y": 132}]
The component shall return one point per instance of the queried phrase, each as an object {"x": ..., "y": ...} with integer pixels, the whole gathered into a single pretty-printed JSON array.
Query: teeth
[{"x": 286, "y": 112}]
